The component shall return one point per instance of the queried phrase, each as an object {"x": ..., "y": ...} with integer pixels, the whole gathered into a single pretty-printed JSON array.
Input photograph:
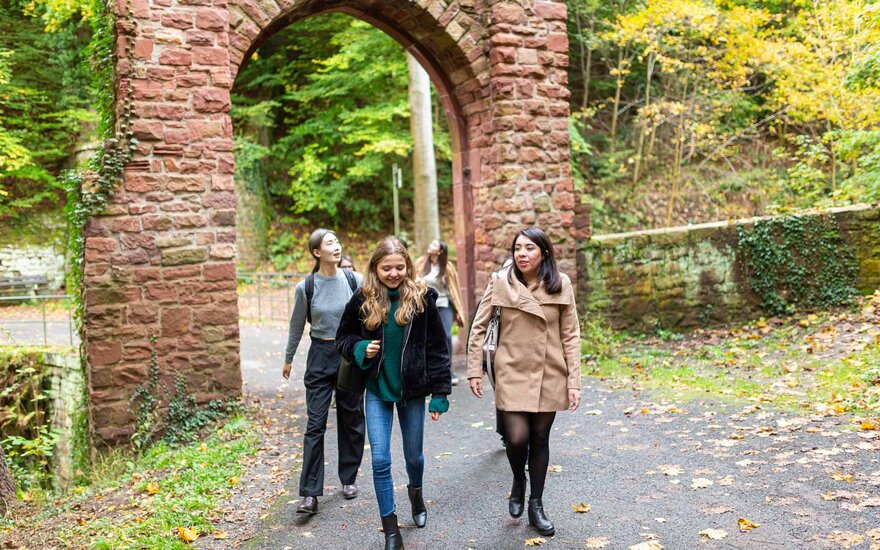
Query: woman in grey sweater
[{"x": 321, "y": 299}]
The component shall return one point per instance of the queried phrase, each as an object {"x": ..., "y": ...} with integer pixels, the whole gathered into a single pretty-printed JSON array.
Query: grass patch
[
  {"x": 145, "y": 499},
  {"x": 810, "y": 361}
]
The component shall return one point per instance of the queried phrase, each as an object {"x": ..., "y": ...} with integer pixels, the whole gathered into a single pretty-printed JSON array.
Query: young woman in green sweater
[{"x": 392, "y": 329}]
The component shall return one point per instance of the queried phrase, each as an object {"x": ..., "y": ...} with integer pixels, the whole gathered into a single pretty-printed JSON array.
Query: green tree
[{"x": 43, "y": 108}]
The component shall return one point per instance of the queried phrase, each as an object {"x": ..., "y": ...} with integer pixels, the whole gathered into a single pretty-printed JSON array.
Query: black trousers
[{"x": 322, "y": 367}]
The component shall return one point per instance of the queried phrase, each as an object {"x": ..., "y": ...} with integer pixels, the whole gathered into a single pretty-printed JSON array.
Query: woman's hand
[
  {"x": 574, "y": 399},
  {"x": 285, "y": 371},
  {"x": 373, "y": 349},
  {"x": 476, "y": 385},
  {"x": 435, "y": 415},
  {"x": 458, "y": 319}
]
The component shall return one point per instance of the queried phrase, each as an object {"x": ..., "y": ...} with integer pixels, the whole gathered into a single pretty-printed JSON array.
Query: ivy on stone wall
[
  {"x": 89, "y": 190},
  {"x": 798, "y": 262}
]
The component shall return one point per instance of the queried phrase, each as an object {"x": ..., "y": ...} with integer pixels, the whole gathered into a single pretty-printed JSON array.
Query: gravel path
[{"x": 649, "y": 471}]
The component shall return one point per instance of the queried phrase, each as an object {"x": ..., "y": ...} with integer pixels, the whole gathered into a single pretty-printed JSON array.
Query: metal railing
[
  {"x": 265, "y": 295},
  {"x": 262, "y": 296},
  {"x": 18, "y": 330}
]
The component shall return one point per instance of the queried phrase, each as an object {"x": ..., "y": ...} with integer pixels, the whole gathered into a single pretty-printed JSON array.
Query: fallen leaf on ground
[
  {"x": 846, "y": 539},
  {"x": 714, "y": 534},
  {"x": 746, "y": 525},
  {"x": 152, "y": 488},
  {"x": 537, "y": 541},
  {"x": 649, "y": 545},
  {"x": 554, "y": 468},
  {"x": 838, "y": 476},
  {"x": 867, "y": 425},
  {"x": 220, "y": 535},
  {"x": 187, "y": 535},
  {"x": 581, "y": 508},
  {"x": 597, "y": 542},
  {"x": 671, "y": 469},
  {"x": 700, "y": 483}
]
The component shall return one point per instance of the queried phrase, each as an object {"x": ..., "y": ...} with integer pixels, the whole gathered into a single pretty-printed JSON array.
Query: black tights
[{"x": 528, "y": 437}]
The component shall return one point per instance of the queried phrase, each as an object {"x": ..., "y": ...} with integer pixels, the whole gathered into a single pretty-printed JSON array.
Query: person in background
[
  {"x": 537, "y": 362},
  {"x": 332, "y": 288},
  {"x": 391, "y": 329},
  {"x": 345, "y": 262},
  {"x": 438, "y": 272}
]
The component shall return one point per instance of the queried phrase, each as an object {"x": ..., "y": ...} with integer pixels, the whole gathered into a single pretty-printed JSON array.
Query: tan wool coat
[{"x": 538, "y": 356}]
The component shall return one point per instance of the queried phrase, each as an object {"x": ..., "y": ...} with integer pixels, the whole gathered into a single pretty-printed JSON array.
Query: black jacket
[{"x": 425, "y": 367}]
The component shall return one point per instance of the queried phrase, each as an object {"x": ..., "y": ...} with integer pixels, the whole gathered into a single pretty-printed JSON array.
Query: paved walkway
[{"x": 649, "y": 471}]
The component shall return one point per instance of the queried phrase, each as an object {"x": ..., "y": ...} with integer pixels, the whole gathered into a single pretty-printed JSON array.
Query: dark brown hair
[{"x": 548, "y": 271}]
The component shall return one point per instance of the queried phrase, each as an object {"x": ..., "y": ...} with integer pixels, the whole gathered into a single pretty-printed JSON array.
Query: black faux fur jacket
[{"x": 424, "y": 358}]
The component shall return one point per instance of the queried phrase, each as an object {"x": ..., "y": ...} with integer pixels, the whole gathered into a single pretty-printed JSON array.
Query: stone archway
[{"x": 160, "y": 261}]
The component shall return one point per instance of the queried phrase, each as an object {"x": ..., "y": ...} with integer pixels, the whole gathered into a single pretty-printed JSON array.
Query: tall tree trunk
[
  {"x": 427, "y": 217},
  {"x": 616, "y": 106},
  {"x": 679, "y": 155},
  {"x": 586, "y": 60},
  {"x": 7, "y": 485},
  {"x": 649, "y": 73}
]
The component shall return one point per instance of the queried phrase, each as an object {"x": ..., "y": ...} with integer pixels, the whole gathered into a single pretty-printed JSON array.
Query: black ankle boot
[
  {"x": 419, "y": 510},
  {"x": 517, "y": 498},
  {"x": 393, "y": 538},
  {"x": 539, "y": 519}
]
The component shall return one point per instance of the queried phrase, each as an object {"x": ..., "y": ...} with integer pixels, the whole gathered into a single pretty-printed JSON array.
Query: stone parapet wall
[
  {"x": 31, "y": 260},
  {"x": 687, "y": 277}
]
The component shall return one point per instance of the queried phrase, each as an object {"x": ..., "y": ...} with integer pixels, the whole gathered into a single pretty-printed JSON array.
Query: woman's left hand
[
  {"x": 574, "y": 399},
  {"x": 458, "y": 319},
  {"x": 435, "y": 415}
]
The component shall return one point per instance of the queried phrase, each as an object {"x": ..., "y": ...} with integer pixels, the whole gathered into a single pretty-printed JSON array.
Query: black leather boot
[
  {"x": 539, "y": 519},
  {"x": 517, "y": 501},
  {"x": 393, "y": 538},
  {"x": 419, "y": 510}
]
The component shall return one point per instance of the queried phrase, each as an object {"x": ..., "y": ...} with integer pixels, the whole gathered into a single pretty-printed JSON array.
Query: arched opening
[{"x": 159, "y": 266}]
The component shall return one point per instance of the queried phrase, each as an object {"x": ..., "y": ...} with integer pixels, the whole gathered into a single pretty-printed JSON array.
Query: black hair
[
  {"x": 548, "y": 271},
  {"x": 315, "y": 240}
]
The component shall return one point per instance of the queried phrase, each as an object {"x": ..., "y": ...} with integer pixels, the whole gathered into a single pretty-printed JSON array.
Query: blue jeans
[
  {"x": 380, "y": 417},
  {"x": 447, "y": 317}
]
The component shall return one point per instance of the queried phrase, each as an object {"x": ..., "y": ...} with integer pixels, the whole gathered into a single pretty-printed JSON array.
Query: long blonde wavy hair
[{"x": 376, "y": 306}]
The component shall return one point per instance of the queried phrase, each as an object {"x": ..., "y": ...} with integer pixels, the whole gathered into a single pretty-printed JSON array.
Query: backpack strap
[
  {"x": 352, "y": 281},
  {"x": 310, "y": 291}
]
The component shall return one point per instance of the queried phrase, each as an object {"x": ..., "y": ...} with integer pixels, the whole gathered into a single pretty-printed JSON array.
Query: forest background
[{"x": 683, "y": 111}]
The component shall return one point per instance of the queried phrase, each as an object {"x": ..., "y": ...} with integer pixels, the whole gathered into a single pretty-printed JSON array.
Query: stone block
[
  {"x": 184, "y": 256},
  {"x": 175, "y": 321}
]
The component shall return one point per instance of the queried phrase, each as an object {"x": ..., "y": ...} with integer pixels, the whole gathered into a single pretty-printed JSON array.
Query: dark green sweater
[{"x": 388, "y": 386}]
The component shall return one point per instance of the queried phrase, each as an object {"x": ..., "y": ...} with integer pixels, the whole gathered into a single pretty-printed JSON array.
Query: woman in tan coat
[{"x": 537, "y": 363}]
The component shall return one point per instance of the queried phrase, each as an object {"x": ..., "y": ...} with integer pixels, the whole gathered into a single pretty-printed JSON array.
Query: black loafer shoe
[
  {"x": 349, "y": 491},
  {"x": 308, "y": 505}
]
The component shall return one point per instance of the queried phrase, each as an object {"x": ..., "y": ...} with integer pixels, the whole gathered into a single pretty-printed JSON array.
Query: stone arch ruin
[{"x": 160, "y": 259}]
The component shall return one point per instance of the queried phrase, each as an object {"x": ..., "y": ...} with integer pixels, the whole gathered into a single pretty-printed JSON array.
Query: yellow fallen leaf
[
  {"x": 537, "y": 541},
  {"x": 838, "y": 476},
  {"x": 597, "y": 542},
  {"x": 203, "y": 447},
  {"x": 581, "y": 508},
  {"x": 714, "y": 534},
  {"x": 233, "y": 480},
  {"x": 554, "y": 468},
  {"x": 746, "y": 525},
  {"x": 220, "y": 535},
  {"x": 187, "y": 535},
  {"x": 649, "y": 545},
  {"x": 868, "y": 425},
  {"x": 152, "y": 487},
  {"x": 644, "y": 411}
]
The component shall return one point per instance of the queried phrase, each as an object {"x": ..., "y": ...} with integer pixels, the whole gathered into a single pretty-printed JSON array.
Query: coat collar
[{"x": 512, "y": 293}]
